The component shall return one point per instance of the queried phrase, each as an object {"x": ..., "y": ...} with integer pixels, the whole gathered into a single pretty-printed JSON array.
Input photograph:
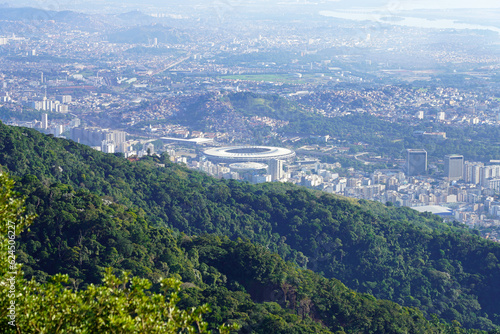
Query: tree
[{"x": 120, "y": 305}]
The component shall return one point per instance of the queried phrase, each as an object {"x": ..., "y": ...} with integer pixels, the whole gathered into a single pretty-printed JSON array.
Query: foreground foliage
[
  {"x": 119, "y": 305},
  {"x": 246, "y": 285}
]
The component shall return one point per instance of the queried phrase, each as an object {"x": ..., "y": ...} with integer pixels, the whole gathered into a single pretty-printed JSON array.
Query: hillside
[
  {"x": 392, "y": 253},
  {"x": 79, "y": 234},
  {"x": 28, "y": 20},
  {"x": 384, "y": 137}
]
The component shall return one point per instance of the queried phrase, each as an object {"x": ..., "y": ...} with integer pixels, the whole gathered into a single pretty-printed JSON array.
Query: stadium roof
[
  {"x": 248, "y": 153},
  {"x": 434, "y": 209}
]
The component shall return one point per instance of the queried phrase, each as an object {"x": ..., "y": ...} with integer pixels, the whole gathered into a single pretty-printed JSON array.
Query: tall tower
[
  {"x": 45, "y": 121},
  {"x": 454, "y": 166},
  {"x": 416, "y": 162}
]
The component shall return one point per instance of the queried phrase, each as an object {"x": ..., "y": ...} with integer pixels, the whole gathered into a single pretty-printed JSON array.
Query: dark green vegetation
[
  {"x": 79, "y": 234},
  {"x": 97, "y": 210},
  {"x": 118, "y": 305}
]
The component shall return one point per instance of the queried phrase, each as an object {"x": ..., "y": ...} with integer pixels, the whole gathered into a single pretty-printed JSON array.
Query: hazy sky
[
  {"x": 417, "y": 4},
  {"x": 334, "y": 4},
  {"x": 414, "y": 4}
]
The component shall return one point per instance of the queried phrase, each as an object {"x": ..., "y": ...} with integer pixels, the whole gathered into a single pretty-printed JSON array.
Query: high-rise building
[
  {"x": 494, "y": 184},
  {"x": 472, "y": 172},
  {"x": 4, "y": 96},
  {"x": 118, "y": 137},
  {"x": 261, "y": 178},
  {"x": 64, "y": 98},
  {"x": 95, "y": 136},
  {"x": 487, "y": 173},
  {"x": 45, "y": 121},
  {"x": 123, "y": 147},
  {"x": 149, "y": 148},
  {"x": 276, "y": 169},
  {"x": 454, "y": 166},
  {"x": 416, "y": 162},
  {"x": 75, "y": 122},
  {"x": 108, "y": 146},
  {"x": 58, "y": 130}
]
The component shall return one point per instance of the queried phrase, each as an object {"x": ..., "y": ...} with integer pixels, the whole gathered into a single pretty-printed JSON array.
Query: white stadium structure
[
  {"x": 243, "y": 167},
  {"x": 234, "y": 154}
]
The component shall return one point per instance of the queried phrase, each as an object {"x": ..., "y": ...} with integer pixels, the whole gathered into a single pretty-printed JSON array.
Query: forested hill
[
  {"x": 79, "y": 234},
  {"x": 387, "y": 138},
  {"x": 391, "y": 253}
]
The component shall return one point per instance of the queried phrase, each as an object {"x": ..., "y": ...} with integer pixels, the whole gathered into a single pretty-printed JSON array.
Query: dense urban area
[{"x": 143, "y": 83}]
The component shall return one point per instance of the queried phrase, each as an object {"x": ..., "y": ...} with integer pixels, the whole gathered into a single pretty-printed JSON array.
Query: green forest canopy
[{"x": 392, "y": 253}]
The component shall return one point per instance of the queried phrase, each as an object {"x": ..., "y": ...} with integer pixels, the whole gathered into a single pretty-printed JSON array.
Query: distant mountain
[
  {"x": 135, "y": 18},
  {"x": 30, "y": 16},
  {"x": 26, "y": 14},
  {"x": 35, "y": 14}
]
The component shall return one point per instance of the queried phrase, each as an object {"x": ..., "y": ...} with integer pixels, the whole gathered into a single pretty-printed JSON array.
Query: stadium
[{"x": 234, "y": 154}]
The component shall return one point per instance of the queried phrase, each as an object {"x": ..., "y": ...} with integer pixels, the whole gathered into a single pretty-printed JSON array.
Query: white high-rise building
[
  {"x": 488, "y": 173},
  {"x": 118, "y": 137},
  {"x": 276, "y": 169},
  {"x": 494, "y": 184},
  {"x": 123, "y": 147},
  {"x": 58, "y": 130},
  {"x": 472, "y": 172},
  {"x": 64, "y": 98},
  {"x": 45, "y": 121},
  {"x": 62, "y": 108},
  {"x": 95, "y": 136},
  {"x": 108, "y": 146},
  {"x": 261, "y": 178},
  {"x": 4, "y": 96}
]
